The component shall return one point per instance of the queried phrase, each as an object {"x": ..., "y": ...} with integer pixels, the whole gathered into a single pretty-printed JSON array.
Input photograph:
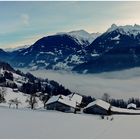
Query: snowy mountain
[
  {"x": 82, "y": 37},
  {"x": 51, "y": 52},
  {"x": 118, "y": 48},
  {"x": 62, "y": 51},
  {"x": 126, "y": 30}
]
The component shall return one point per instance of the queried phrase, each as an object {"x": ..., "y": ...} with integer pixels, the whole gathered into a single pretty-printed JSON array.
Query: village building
[
  {"x": 131, "y": 106},
  {"x": 61, "y": 103},
  {"x": 76, "y": 97},
  {"x": 126, "y": 111},
  {"x": 99, "y": 107}
]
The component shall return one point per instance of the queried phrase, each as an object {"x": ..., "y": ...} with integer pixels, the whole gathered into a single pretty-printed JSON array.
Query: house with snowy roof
[
  {"x": 117, "y": 110},
  {"x": 99, "y": 107},
  {"x": 76, "y": 97},
  {"x": 131, "y": 106},
  {"x": 61, "y": 103}
]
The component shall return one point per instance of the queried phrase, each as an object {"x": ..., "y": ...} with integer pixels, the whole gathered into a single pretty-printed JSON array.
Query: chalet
[
  {"x": 61, "y": 103},
  {"x": 99, "y": 107},
  {"x": 76, "y": 97},
  {"x": 131, "y": 106}
]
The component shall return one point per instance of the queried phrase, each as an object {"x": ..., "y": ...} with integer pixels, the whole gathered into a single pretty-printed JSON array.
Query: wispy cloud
[
  {"x": 25, "y": 19},
  {"x": 19, "y": 20},
  {"x": 28, "y": 40}
]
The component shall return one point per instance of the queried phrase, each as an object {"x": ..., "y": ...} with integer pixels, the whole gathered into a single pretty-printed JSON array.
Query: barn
[
  {"x": 99, "y": 107},
  {"x": 61, "y": 103}
]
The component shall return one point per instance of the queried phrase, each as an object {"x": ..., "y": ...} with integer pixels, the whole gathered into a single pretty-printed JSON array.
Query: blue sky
[{"x": 24, "y": 22}]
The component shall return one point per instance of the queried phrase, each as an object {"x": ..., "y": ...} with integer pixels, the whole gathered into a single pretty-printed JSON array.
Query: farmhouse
[
  {"x": 131, "y": 106},
  {"x": 99, "y": 107},
  {"x": 61, "y": 103},
  {"x": 76, "y": 97}
]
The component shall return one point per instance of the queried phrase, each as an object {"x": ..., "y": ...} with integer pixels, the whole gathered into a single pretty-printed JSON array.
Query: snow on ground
[
  {"x": 26, "y": 124},
  {"x": 120, "y": 84},
  {"x": 21, "y": 97}
]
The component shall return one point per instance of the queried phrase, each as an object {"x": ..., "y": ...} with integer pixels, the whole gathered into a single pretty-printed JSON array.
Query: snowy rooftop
[
  {"x": 123, "y": 110},
  {"x": 100, "y": 103},
  {"x": 81, "y": 35},
  {"x": 131, "y": 105},
  {"x": 62, "y": 99},
  {"x": 76, "y": 97}
]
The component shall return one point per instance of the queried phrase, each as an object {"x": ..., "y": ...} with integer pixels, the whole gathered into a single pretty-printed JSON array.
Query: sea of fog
[{"x": 120, "y": 84}]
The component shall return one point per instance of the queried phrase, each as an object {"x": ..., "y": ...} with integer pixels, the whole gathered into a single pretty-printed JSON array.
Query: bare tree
[
  {"x": 106, "y": 97},
  {"x": 44, "y": 99},
  {"x": 15, "y": 102},
  {"x": 32, "y": 101},
  {"x": 2, "y": 94},
  {"x": 11, "y": 102}
]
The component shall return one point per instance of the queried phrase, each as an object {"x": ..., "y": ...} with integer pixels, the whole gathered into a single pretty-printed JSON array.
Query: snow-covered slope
[
  {"x": 22, "y": 97},
  {"x": 82, "y": 37},
  {"x": 25, "y": 124},
  {"x": 127, "y": 29}
]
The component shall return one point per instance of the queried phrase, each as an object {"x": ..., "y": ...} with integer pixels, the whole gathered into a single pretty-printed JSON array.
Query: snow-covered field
[
  {"x": 120, "y": 84},
  {"x": 50, "y": 124}
]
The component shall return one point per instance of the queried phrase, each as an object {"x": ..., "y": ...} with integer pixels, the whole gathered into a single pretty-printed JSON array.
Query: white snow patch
[
  {"x": 116, "y": 38},
  {"x": 94, "y": 55},
  {"x": 82, "y": 36}
]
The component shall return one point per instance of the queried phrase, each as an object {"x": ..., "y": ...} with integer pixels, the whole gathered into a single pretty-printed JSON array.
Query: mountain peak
[
  {"x": 81, "y": 33},
  {"x": 112, "y": 28},
  {"x": 82, "y": 36},
  {"x": 126, "y": 29}
]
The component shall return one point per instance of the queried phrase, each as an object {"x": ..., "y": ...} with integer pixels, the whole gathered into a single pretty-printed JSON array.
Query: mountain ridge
[{"x": 117, "y": 48}]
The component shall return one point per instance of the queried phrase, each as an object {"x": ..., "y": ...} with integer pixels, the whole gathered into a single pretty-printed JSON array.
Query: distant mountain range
[{"x": 118, "y": 48}]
